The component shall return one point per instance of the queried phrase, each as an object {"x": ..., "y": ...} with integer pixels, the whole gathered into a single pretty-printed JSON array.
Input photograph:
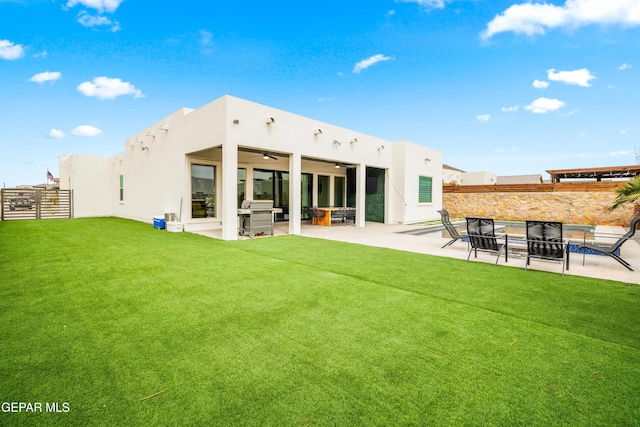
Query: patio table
[{"x": 326, "y": 220}]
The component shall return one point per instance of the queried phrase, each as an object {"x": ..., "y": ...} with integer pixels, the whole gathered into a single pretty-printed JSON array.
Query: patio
[{"x": 395, "y": 236}]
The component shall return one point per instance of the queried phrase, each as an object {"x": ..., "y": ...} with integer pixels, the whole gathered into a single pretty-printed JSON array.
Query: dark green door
[{"x": 374, "y": 199}]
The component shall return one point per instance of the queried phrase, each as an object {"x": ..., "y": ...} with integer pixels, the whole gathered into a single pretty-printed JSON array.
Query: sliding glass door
[
  {"x": 272, "y": 185},
  {"x": 306, "y": 194},
  {"x": 324, "y": 191}
]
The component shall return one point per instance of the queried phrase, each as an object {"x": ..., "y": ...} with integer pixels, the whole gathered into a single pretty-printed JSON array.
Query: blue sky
[{"x": 509, "y": 87}]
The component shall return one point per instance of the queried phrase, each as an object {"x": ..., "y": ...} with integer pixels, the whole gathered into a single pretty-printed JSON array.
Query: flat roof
[{"x": 595, "y": 173}]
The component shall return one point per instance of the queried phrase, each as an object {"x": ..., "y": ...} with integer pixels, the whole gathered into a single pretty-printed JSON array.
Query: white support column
[
  {"x": 229, "y": 208},
  {"x": 295, "y": 190},
  {"x": 361, "y": 192}
]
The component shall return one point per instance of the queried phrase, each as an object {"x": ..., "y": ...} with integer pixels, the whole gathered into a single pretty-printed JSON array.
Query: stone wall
[{"x": 571, "y": 207}]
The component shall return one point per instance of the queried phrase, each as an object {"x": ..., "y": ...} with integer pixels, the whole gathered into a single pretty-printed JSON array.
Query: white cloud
[
  {"x": 46, "y": 77},
  {"x": 579, "y": 77},
  {"x": 326, "y": 99},
  {"x": 536, "y": 18},
  {"x": 483, "y": 118},
  {"x": 108, "y": 88},
  {"x": 366, "y": 63},
  {"x": 92, "y": 21},
  {"x": 625, "y": 66},
  {"x": 56, "y": 133},
  {"x": 511, "y": 109},
  {"x": 621, "y": 153},
  {"x": 101, "y": 6},
  {"x": 86, "y": 130},
  {"x": 95, "y": 21},
  {"x": 428, "y": 4},
  {"x": 10, "y": 50},
  {"x": 610, "y": 86},
  {"x": 544, "y": 105},
  {"x": 540, "y": 84},
  {"x": 206, "y": 38}
]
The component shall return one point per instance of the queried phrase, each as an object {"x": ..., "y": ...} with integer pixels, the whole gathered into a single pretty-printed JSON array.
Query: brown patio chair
[{"x": 315, "y": 213}]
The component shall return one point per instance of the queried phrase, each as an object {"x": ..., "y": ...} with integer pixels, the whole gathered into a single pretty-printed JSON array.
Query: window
[
  {"x": 338, "y": 191},
  {"x": 242, "y": 185},
  {"x": 425, "y": 189},
  {"x": 122, "y": 188},
  {"x": 263, "y": 185},
  {"x": 306, "y": 194},
  {"x": 203, "y": 191},
  {"x": 272, "y": 185},
  {"x": 323, "y": 190}
]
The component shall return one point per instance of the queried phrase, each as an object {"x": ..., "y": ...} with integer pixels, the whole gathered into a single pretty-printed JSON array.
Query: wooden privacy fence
[
  {"x": 19, "y": 203},
  {"x": 580, "y": 187}
]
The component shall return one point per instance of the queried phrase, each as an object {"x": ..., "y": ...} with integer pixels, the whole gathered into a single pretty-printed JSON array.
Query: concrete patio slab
[{"x": 399, "y": 237}]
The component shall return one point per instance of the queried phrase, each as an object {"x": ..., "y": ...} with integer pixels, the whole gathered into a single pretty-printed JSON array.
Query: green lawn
[{"x": 290, "y": 331}]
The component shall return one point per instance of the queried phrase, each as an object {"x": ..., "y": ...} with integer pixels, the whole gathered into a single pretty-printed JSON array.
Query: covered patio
[{"x": 266, "y": 175}]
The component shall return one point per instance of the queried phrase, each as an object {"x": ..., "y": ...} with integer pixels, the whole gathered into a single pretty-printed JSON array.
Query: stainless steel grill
[{"x": 255, "y": 217}]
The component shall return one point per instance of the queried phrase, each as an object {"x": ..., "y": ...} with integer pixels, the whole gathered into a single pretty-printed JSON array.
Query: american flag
[{"x": 50, "y": 176}]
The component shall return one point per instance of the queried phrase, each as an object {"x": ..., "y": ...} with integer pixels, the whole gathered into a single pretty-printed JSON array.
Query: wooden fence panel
[
  {"x": 581, "y": 187},
  {"x": 18, "y": 203}
]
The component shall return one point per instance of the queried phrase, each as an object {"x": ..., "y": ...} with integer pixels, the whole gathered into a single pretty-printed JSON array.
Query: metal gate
[{"x": 27, "y": 203}]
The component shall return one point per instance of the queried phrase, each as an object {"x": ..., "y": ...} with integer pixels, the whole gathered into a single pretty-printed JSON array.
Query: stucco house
[{"x": 201, "y": 164}]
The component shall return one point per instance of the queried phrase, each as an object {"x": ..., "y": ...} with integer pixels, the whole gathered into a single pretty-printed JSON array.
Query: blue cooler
[{"x": 158, "y": 222}]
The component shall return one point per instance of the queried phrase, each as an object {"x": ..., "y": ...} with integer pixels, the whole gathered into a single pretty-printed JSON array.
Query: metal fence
[{"x": 20, "y": 203}]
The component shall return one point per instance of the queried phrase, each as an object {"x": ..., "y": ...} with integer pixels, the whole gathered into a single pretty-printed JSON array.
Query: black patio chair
[
  {"x": 544, "y": 241},
  {"x": 350, "y": 216},
  {"x": 482, "y": 237},
  {"x": 337, "y": 215},
  {"x": 453, "y": 232},
  {"x": 613, "y": 249}
]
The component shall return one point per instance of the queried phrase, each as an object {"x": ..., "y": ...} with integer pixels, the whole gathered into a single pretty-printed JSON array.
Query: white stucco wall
[
  {"x": 154, "y": 178},
  {"x": 451, "y": 175},
  {"x": 156, "y": 163},
  {"x": 88, "y": 177},
  {"x": 479, "y": 178},
  {"x": 413, "y": 161}
]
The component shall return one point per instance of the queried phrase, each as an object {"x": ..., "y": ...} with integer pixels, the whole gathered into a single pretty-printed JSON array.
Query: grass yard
[{"x": 98, "y": 314}]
